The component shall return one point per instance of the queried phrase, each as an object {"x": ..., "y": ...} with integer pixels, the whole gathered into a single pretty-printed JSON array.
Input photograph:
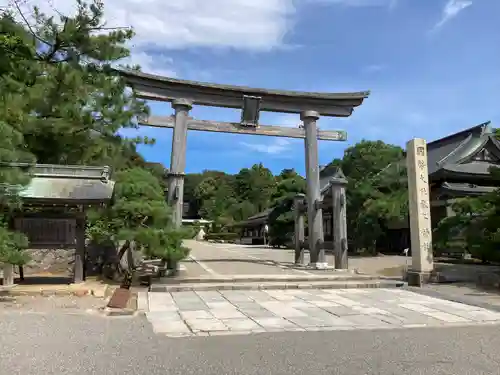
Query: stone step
[
  {"x": 344, "y": 284},
  {"x": 347, "y": 276}
]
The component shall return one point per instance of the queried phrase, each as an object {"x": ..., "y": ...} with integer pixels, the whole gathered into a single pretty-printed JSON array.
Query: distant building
[
  {"x": 252, "y": 230},
  {"x": 458, "y": 166}
]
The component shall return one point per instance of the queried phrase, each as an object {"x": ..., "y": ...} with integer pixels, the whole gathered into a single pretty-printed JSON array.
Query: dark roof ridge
[
  {"x": 483, "y": 127},
  {"x": 456, "y": 150},
  {"x": 475, "y": 140}
]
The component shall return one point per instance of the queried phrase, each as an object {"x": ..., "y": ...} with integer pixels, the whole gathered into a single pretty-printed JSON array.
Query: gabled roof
[
  {"x": 447, "y": 154},
  {"x": 338, "y": 177},
  {"x": 257, "y": 219},
  {"x": 324, "y": 181},
  {"x": 454, "y": 149},
  {"x": 326, "y": 173}
]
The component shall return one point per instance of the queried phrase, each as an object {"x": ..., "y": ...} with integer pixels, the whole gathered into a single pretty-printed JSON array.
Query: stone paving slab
[{"x": 181, "y": 314}]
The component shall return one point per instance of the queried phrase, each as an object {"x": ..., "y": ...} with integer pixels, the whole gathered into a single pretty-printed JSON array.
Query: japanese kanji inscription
[{"x": 419, "y": 205}]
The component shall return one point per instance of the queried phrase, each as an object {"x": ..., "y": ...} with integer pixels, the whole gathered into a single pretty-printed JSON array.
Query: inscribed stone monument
[{"x": 419, "y": 209}]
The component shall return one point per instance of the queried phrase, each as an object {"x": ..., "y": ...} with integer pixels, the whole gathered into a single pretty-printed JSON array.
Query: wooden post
[
  {"x": 420, "y": 215},
  {"x": 178, "y": 159},
  {"x": 339, "y": 220},
  {"x": 8, "y": 274},
  {"x": 79, "y": 266},
  {"x": 299, "y": 228},
  {"x": 314, "y": 211}
]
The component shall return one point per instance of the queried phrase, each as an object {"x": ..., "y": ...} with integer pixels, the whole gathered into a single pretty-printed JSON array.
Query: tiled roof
[{"x": 457, "y": 147}]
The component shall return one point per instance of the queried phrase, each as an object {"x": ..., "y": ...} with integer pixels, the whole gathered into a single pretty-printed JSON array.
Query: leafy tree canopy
[{"x": 376, "y": 191}]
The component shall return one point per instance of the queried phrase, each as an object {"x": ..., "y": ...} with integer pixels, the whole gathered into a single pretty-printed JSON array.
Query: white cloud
[
  {"x": 241, "y": 24},
  {"x": 451, "y": 9},
  {"x": 158, "y": 64},
  {"x": 250, "y": 25},
  {"x": 276, "y": 146},
  {"x": 391, "y": 4},
  {"x": 256, "y": 25}
]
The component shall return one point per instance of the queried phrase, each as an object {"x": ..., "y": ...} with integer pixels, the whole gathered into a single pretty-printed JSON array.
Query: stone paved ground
[
  {"x": 244, "y": 312},
  {"x": 216, "y": 259}
]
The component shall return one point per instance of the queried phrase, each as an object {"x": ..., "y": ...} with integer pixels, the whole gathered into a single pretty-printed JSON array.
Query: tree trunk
[{"x": 172, "y": 267}]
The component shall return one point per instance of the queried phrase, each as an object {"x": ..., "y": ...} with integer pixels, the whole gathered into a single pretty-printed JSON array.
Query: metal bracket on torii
[{"x": 309, "y": 105}]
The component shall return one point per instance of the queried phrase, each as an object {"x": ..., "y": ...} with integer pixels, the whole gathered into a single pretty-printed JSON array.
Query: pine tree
[
  {"x": 139, "y": 218},
  {"x": 66, "y": 106},
  {"x": 77, "y": 102},
  {"x": 16, "y": 75}
]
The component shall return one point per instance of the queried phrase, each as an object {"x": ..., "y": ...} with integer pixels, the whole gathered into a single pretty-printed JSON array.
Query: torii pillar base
[{"x": 416, "y": 278}]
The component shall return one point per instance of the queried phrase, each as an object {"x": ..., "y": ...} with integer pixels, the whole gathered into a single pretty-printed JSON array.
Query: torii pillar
[
  {"x": 176, "y": 173},
  {"x": 314, "y": 210}
]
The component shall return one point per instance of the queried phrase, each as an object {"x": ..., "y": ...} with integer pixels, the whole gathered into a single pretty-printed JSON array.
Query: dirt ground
[
  {"x": 225, "y": 259},
  {"x": 50, "y": 303}
]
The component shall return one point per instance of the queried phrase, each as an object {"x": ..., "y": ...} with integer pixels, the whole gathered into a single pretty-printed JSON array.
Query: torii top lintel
[{"x": 153, "y": 87}]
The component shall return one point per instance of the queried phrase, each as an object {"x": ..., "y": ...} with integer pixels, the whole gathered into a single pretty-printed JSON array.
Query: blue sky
[{"x": 432, "y": 67}]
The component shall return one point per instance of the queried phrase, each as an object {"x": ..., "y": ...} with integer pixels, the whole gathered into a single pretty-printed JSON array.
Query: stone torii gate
[{"x": 309, "y": 105}]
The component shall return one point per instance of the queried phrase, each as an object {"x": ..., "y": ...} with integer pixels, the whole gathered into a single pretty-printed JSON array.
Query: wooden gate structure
[
  {"x": 309, "y": 105},
  {"x": 53, "y": 214}
]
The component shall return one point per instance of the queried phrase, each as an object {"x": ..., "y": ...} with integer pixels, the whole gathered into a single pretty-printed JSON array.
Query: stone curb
[
  {"x": 459, "y": 299},
  {"x": 273, "y": 286},
  {"x": 266, "y": 279}
]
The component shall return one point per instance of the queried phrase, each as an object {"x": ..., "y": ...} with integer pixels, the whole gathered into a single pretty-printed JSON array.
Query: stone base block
[
  {"x": 321, "y": 266},
  {"x": 418, "y": 278}
]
